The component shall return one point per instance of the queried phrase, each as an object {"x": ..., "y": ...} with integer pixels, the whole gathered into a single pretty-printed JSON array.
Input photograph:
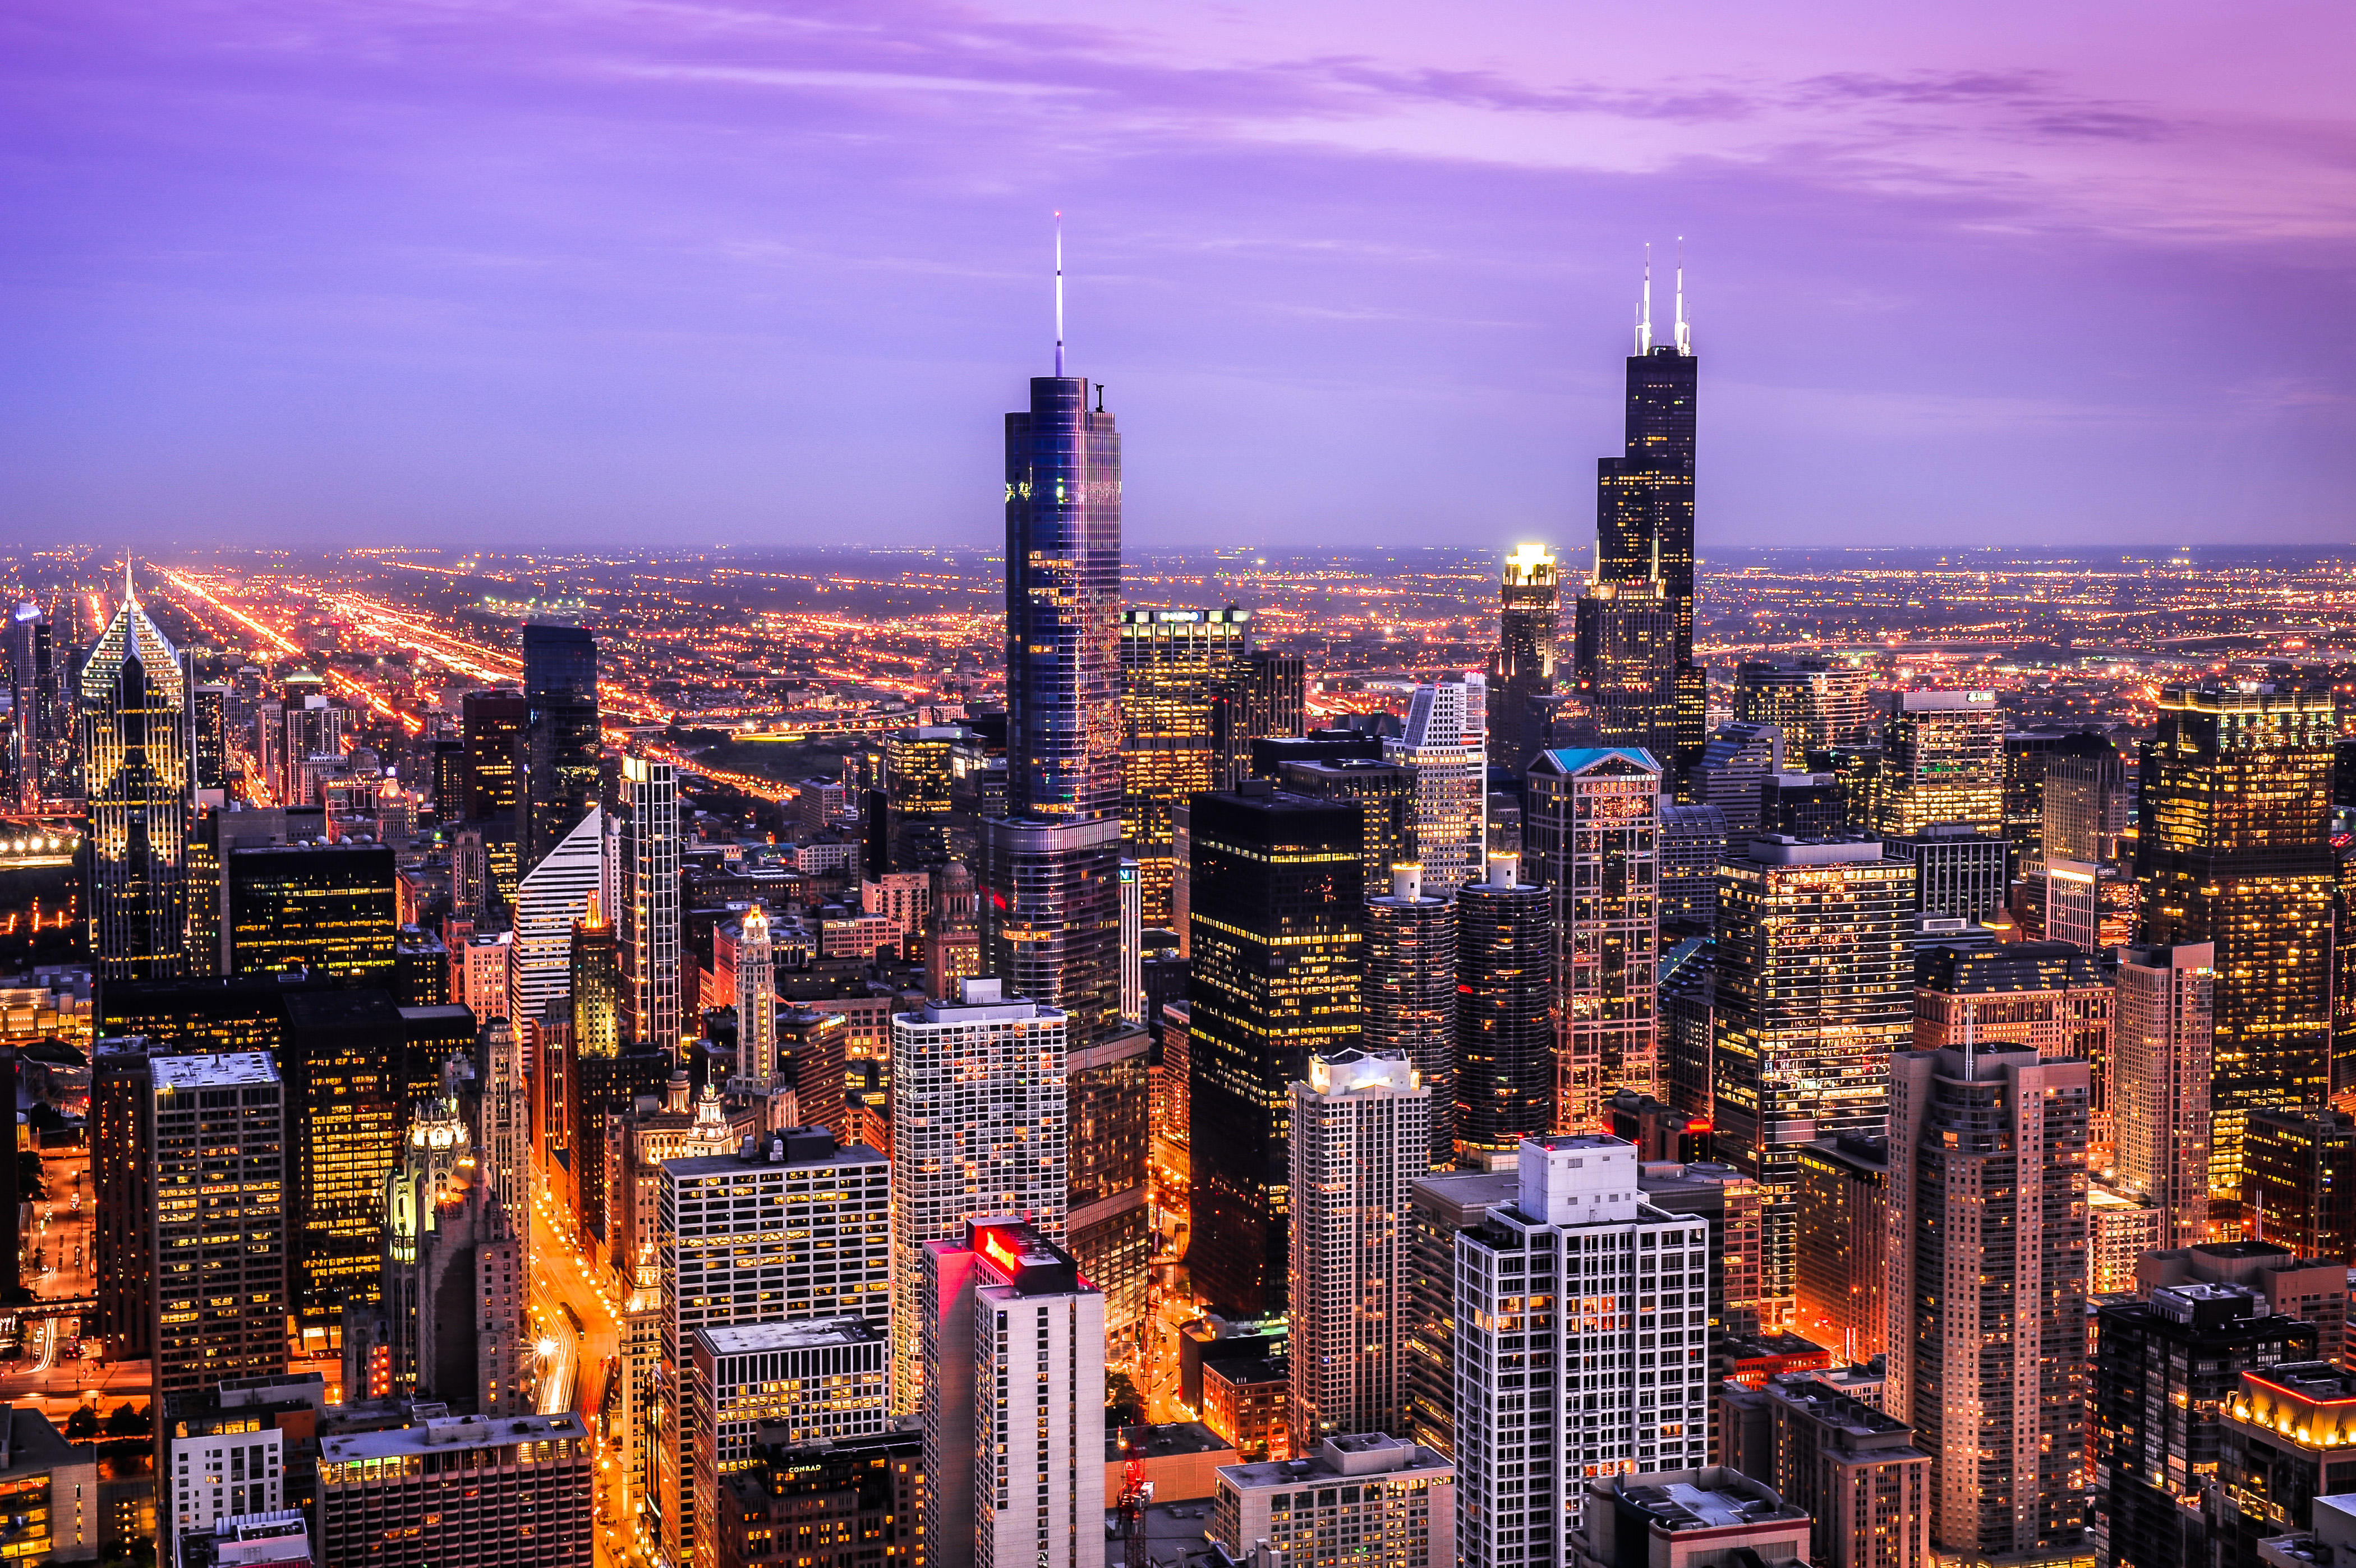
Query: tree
[
  {"x": 125, "y": 1422},
  {"x": 1124, "y": 1406},
  {"x": 82, "y": 1426}
]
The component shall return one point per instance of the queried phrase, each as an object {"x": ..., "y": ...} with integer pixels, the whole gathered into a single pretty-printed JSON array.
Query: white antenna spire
[
  {"x": 130, "y": 597},
  {"x": 1645, "y": 310},
  {"x": 1059, "y": 294},
  {"x": 1684, "y": 331}
]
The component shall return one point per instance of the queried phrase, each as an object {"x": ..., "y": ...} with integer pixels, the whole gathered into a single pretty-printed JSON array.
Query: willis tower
[
  {"x": 1050, "y": 881},
  {"x": 1645, "y": 503}
]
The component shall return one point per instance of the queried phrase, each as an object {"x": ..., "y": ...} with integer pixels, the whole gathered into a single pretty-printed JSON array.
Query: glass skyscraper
[
  {"x": 560, "y": 687},
  {"x": 1644, "y": 501},
  {"x": 136, "y": 741}
]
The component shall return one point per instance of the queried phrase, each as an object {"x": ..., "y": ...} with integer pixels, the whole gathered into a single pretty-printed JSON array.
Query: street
[{"x": 574, "y": 1371}]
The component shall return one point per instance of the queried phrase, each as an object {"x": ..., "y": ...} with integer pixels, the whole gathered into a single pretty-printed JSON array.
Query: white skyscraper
[
  {"x": 552, "y": 898},
  {"x": 1013, "y": 1413},
  {"x": 506, "y": 1116},
  {"x": 1448, "y": 744},
  {"x": 756, "y": 1000},
  {"x": 1361, "y": 1133},
  {"x": 2161, "y": 1044},
  {"x": 980, "y": 1126},
  {"x": 647, "y": 894},
  {"x": 1583, "y": 1335}
]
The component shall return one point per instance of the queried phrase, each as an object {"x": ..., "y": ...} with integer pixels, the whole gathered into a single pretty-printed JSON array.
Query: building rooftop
[
  {"x": 178, "y": 1075},
  {"x": 1165, "y": 1441},
  {"x": 1024, "y": 1258},
  {"x": 1250, "y": 1369},
  {"x": 1715, "y": 1498},
  {"x": 701, "y": 1166},
  {"x": 454, "y": 1431},
  {"x": 813, "y": 1333},
  {"x": 1360, "y": 1454}
]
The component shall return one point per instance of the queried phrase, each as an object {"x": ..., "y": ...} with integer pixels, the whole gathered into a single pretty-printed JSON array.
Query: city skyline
[{"x": 1996, "y": 283}]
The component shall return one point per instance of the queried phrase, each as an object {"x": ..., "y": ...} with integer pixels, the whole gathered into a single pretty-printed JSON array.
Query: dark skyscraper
[
  {"x": 493, "y": 724},
  {"x": 1265, "y": 696},
  {"x": 1411, "y": 992},
  {"x": 1528, "y": 624},
  {"x": 328, "y": 908},
  {"x": 1505, "y": 1010},
  {"x": 134, "y": 748},
  {"x": 560, "y": 688},
  {"x": 1625, "y": 659},
  {"x": 1277, "y": 909},
  {"x": 1644, "y": 500}
]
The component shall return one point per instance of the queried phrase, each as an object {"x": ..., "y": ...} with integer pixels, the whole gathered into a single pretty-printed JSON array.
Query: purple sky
[{"x": 539, "y": 272}]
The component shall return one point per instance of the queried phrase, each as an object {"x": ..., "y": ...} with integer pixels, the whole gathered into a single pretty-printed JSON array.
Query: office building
[
  {"x": 2164, "y": 1369},
  {"x": 341, "y": 1064},
  {"x": 1813, "y": 990},
  {"x": 1733, "y": 772},
  {"x": 1172, "y": 661},
  {"x": 227, "y": 1469},
  {"x": 457, "y": 1279},
  {"x": 506, "y": 1116},
  {"x": 562, "y": 741},
  {"x": 1529, "y": 623},
  {"x": 1447, "y": 745},
  {"x": 1440, "y": 1205},
  {"x": 2234, "y": 850},
  {"x": 649, "y": 903},
  {"x": 1051, "y": 915},
  {"x": 213, "y": 1202},
  {"x": 1987, "y": 1195},
  {"x": 797, "y": 1383},
  {"x": 1409, "y": 994},
  {"x": 553, "y": 897},
  {"x": 134, "y": 729},
  {"x": 2312, "y": 1291},
  {"x": 1625, "y": 659},
  {"x": 1804, "y": 805},
  {"x": 1361, "y": 1135},
  {"x": 859, "y": 1494},
  {"x": 1132, "y": 947},
  {"x": 757, "y": 1063},
  {"x": 979, "y": 1125},
  {"x": 1693, "y": 841},
  {"x": 1801, "y": 700},
  {"x": 1392, "y": 1501},
  {"x": 43, "y": 758},
  {"x": 1841, "y": 1221},
  {"x": 1277, "y": 916},
  {"x": 514, "y": 1490},
  {"x": 1013, "y": 1401},
  {"x": 790, "y": 1229},
  {"x": 1644, "y": 500},
  {"x": 2052, "y": 997},
  {"x": 1544, "y": 1324},
  {"x": 1505, "y": 1002},
  {"x": 1958, "y": 870},
  {"x": 1386, "y": 790},
  {"x": 493, "y": 725},
  {"x": 1941, "y": 762},
  {"x": 1265, "y": 698},
  {"x": 51, "y": 1492},
  {"x": 2298, "y": 1181},
  {"x": 2286, "y": 1430},
  {"x": 329, "y": 909},
  {"x": 1593, "y": 837},
  {"x": 2160, "y": 1082},
  {"x": 1108, "y": 1095}
]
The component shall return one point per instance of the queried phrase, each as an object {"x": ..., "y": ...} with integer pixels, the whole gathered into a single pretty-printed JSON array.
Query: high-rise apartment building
[
  {"x": 1943, "y": 761},
  {"x": 2233, "y": 849},
  {"x": 1013, "y": 1405},
  {"x": 1577, "y": 1292},
  {"x": 649, "y": 903},
  {"x": 214, "y": 1174},
  {"x": 792, "y": 1229},
  {"x": 1394, "y": 1501},
  {"x": 981, "y": 1125},
  {"x": 42, "y": 760},
  {"x": 1592, "y": 835},
  {"x": 1505, "y": 1003},
  {"x": 1625, "y": 663},
  {"x": 2160, "y": 1081},
  {"x": 2052, "y": 997},
  {"x": 1051, "y": 915},
  {"x": 1988, "y": 1268},
  {"x": 1813, "y": 989},
  {"x": 1361, "y": 1135},
  {"x": 1529, "y": 623},
  {"x": 1853, "y": 1470},
  {"x": 1733, "y": 771},
  {"x": 136, "y": 741},
  {"x": 1439, "y": 1206},
  {"x": 562, "y": 741},
  {"x": 1447, "y": 745},
  {"x": 1959, "y": 871},
  {"x": 1277, "y": 915},
  {"x": 1172, "y": 661},
  {"x": 1409, "y": 994},
  {"x": 1644, "y": 500},
  {"x": 2286, "y": 1431}
]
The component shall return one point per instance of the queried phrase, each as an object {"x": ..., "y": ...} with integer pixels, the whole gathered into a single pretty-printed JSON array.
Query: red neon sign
[{"x": 999, "y": 1253}]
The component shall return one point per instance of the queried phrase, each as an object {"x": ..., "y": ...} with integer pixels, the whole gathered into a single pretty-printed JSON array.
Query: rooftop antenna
[
  {"x": 1645, "y": 309},
  {"x": 130, "y": 597},
  {"x": 1059, "y": 294},
  {"x": 1684, "y": 331}
]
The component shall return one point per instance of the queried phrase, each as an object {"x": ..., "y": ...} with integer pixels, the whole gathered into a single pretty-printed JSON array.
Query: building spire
[
  {"x": 1645, "y": 309},
  {"x": 1684, "y": 331},
  {"x": 1059, "y": 294},
  {"x": 130, "y": 596}
]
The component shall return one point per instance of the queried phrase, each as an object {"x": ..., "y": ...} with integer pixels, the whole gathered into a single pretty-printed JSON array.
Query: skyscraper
[
  {"x": 1987, "y": 1292},
  {"x": 1171, "y": 662},
  {"x": 1265, "y": 695},
  {"x": 1814, "y": 990},
  {"x": 332, "y": 909},
  {"x": 649, "y": 903},
  {"x": 1505, "y": 1002},
  {"x": 1277, "y": 962},
  {"x": 980, "y": 1126},
  {"x": 1593, "y": 837},
  {"x": 1943, "y": 761},
  {"x": 1644, "y": 497},
  {"x": 1626, "y": 663},
  {"x": 756, "y": 1002},
  {"x": 561, "y": 739},
  {"x": 2233, "y": 849},
  {"x": 1410, "y": 993},
  {"x": 457, "y": 1280},
  {"x": 1109, "y": 1093},
  {"x": 41, "y": 765},
  {"x": 1447, "y": 745},
  {"x": 1361, "y": 1135},
  {"x": 493, "y": 724},
  {"x": 135, "y": 742},
  {"x": 552, "y": 896},
  {"x": 1528, "y": 623},
  {"x": 215, "y": 1170}
]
